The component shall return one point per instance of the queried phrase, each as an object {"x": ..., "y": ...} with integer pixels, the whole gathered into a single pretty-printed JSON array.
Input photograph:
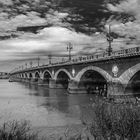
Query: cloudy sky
[{"x": 32, "y": 28}]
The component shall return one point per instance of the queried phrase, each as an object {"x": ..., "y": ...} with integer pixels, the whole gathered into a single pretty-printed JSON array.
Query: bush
[
  {"x": 115, "y": 121},
  {"x": 17, "y": 131}
]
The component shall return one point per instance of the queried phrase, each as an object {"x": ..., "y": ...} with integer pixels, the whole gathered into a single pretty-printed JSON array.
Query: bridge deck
[{"x": 130, "y": 52}]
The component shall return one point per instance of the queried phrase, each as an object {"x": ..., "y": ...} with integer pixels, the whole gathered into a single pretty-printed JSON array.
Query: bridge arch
[
  {"x": 62, "y": 77},
  {"x": 47, "y": 71},
  {"x": 62, "y": 70},
  {"x": 94, "y": 68},
  {"x": 128, "y": 74},
  {"x": 93, "y": 79},
  {"x": 131, "y": 79},
  {"x": 47, "y": 76}
]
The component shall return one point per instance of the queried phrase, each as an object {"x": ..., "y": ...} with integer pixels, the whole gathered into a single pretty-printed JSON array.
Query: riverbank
[
  {"x": 110, "y": 121},
  {"x": 55, "y": 133}
]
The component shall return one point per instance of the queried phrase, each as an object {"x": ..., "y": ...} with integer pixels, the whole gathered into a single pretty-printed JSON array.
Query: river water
[{"x": 41, "y": 106}]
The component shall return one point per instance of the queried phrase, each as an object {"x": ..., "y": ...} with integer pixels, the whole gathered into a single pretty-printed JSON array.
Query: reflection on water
[{"x": 40, "y": 105}]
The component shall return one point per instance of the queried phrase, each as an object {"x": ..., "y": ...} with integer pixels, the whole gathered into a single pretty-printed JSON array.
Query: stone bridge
[{"x": 118, "y": 74}]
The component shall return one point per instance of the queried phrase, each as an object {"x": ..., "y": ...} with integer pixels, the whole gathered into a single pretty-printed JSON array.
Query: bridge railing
[
  {"x": 95, "y": 57},
  {"x": 125, "y": 52}
]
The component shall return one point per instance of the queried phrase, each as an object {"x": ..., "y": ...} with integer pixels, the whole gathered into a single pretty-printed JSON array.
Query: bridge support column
[
  {"x": 27, "y": 80},
  {"x": 115, "y": 89},
  {"x": 52, "y": 83},
  {"x": 40, "y": 81},
  {"x": 33, "y": 80},
  {"x": 74, "y": 88},
  {"x": 23, "y": 79}
]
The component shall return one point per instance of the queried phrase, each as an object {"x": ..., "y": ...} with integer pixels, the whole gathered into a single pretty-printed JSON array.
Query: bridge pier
[
  {"x": 115, "y": 89},
  {"x": 52, "y": 83},
  {"x": 17, "y": 79},
  {"x": 56, "y": 84},
  {"x": 26, "y": 80},
  {"x": 32, "y": 80},
  {"x": 73, "y": 88},
  {"x": 40, "y": 81}
]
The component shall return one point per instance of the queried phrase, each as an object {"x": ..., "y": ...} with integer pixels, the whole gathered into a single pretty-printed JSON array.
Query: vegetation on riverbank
[
  {"x": 115, "y": 121},
  {"x": 110, "y": 121},
  {"x": 15, "y": 130}
]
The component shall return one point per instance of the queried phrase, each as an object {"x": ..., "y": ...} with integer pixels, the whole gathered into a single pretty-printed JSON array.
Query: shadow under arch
[
  {"x": 93, "y": 80},
  {"x": 30, "y": 76},
  {"x": 62, "y": 78},
  {"x": 47, "y": 76},
  {"x": 26, "y": 75},
  {"x": 20, "y": 75},
  {"x": 37, "y": 76}
]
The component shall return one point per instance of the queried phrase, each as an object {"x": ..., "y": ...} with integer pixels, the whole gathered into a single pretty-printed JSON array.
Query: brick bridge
[{"x": 118, "y": 74}]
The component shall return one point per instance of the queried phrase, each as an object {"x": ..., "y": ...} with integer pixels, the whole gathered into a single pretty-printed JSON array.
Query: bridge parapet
[{"x": 91, "y": 58}]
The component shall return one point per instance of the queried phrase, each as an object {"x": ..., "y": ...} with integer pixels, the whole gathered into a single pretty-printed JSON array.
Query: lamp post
[
  {"x": 110, "y": 40},
  {"x": 50, "y": 58},
  {"x": 69, "y": 49},
  {"x": 38, "y": 59}
]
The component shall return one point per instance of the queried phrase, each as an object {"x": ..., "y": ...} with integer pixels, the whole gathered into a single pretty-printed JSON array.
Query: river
[{"x": 41, "y": 106}]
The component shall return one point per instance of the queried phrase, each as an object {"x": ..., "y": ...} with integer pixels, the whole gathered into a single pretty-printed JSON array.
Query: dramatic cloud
[
  {"x": 52, "y": 39},
  {"x": 131, "y": 29},
  {"x": 57, "y": 22},
  {"x": 128, "y": 6}
]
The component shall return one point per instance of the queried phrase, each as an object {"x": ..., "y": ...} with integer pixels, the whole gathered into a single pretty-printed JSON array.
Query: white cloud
[
  {"x": 52, "y": 39},
  {"x": 128, "y": 6},
  {"x": 130, "y": 29}
]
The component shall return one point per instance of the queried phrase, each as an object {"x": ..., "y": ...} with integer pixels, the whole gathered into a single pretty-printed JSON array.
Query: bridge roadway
[{"x": 115, "y": 75}]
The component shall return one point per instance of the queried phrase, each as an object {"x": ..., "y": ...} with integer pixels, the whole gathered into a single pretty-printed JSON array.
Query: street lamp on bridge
[
  {"x": 110, "y": 40},
  {"x": 50, "y": 58},
  {"x": 38, "y": 59},
  {"x": 69, "y": 49}
]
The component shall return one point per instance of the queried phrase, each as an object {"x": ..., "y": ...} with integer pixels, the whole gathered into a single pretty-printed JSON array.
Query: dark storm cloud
[
  {"x": 84, "y": 16},
  {"x": 91, "y": 15}
]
